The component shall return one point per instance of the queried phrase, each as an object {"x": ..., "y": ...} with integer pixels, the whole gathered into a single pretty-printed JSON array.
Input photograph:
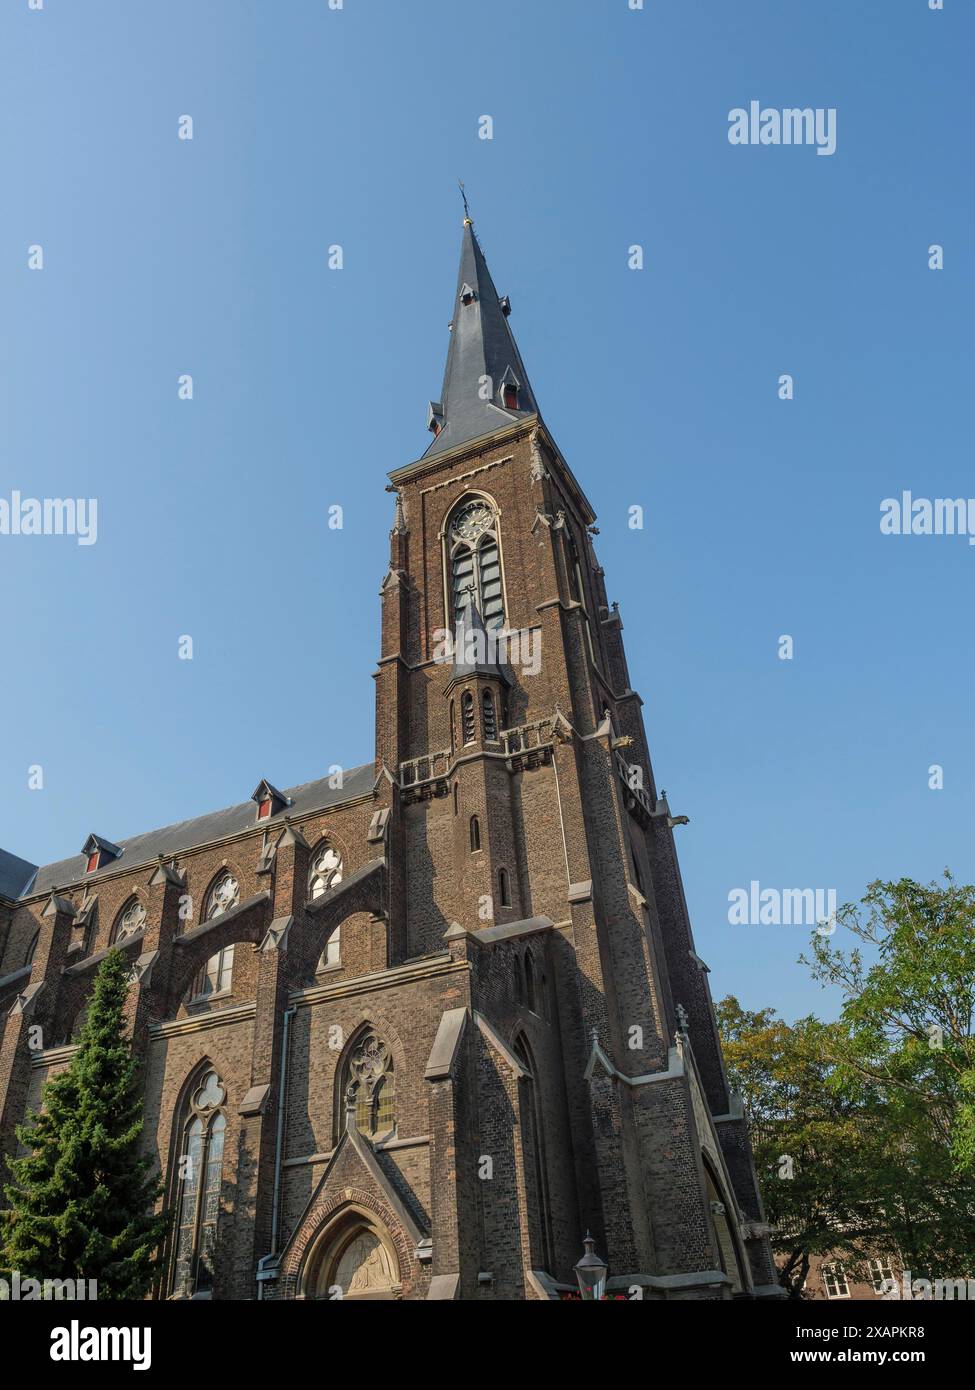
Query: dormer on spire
[
  {"x": 435, "y": 417},
  {"x": 510, "y": 386}
]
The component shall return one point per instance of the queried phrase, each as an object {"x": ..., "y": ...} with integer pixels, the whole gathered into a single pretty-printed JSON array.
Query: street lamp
[{"x": 591, "y": 1272}]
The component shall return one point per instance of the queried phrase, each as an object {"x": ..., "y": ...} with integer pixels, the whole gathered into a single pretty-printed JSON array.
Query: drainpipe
[{"x": 262, "y": 1266}]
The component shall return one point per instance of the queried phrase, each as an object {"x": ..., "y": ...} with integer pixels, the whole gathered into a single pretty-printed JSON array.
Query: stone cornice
[
  {"x": 175, "y": 1027},
  {"x": 440, "y": 964}
]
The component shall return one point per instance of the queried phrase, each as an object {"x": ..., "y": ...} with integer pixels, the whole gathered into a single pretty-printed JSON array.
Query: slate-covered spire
[
  {"x": 475, "y": 648},
  {"x": 481, "y": 346}
]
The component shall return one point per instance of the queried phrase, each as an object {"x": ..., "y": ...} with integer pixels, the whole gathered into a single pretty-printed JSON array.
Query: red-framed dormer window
[
  {"x": 510, "y": 397},
  {"x": 93, "y": 861},
  {"x": 264, "y": 809}
]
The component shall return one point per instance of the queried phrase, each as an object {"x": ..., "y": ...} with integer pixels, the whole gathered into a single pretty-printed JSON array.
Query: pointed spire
[
  {"x": 398, "y": 538},
  {"x": 485, "y": 385},
  {"x": 475, "y": 647},
  {"x": 399, "y": 522}
]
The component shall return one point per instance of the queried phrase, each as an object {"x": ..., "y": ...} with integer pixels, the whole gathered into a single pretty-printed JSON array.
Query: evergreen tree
[{"x": 82, "y": 1200}]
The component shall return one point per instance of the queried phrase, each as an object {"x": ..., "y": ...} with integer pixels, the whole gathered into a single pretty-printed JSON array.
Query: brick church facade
[{"x": 419, "y": 1025}]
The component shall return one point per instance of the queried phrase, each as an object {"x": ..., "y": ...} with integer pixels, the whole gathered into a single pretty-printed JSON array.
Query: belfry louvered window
[
  {"x": 490, "y": 722},
  {"x": 474, "y": 557},
  {"x": 467, "y": 716}
]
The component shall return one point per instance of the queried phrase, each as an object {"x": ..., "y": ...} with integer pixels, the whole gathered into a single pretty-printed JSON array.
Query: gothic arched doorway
[{"x": 353, "y": 1258}]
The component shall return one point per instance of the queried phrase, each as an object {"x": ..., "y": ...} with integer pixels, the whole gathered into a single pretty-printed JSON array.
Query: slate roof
[
  {"x": 481, "y": 344},
  {"x": 471, "y": 647},
  {"x": 16, "y": 875}
]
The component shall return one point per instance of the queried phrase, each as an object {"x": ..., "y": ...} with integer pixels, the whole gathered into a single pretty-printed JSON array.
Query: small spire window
[
  {"x": 509, "y": 390},
  {"x": 475, "y": 834}
]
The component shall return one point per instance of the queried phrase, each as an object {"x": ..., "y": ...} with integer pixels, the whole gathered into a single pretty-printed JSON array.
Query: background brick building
[{"x": 419, "y": 1024}]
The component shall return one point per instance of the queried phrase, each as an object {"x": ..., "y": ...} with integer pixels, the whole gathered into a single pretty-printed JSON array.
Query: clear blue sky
[{"x": 314, "y": 127}]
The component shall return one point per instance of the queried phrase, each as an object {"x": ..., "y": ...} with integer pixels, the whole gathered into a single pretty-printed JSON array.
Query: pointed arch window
[
  {"x": 130, "y": 921},
  {"x": 504, "y": 889},
  {"x": 370, "y": 1085},
  {"x": 530, "y": 980},
  {"x": 224, "y": 895},
  {"x": 200, "y": 1169},
  {"x": 535, "y": 1159},
  {"x": 326, "y": 870},
  {"x": 32, "y": 948},
  {"x": 474, "y": 561},
  {"x": 475, "y": 834}
]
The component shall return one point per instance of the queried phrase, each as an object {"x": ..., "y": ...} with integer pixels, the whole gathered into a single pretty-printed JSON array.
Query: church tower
[
  {"x": 528, "y": 837},
  {"x": 422, "y": 1024}
]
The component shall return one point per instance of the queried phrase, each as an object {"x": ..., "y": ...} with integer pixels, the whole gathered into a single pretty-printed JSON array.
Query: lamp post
[{"x": 591, "y": 1272}]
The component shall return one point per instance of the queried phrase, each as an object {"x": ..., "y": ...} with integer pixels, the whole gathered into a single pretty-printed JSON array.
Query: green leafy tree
[
  {"x": 864, "y": 1129},
  {"x": 82, "y": 1199},
  {"x": 903, "y": 1051},
  {"x": 806, "y": 1138}
]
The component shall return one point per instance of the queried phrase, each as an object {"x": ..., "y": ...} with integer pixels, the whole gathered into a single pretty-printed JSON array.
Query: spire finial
[{"x": 467, "y": 212}]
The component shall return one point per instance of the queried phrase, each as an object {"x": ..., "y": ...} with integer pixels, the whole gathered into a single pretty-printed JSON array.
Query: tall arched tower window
[
  {"x": 200, "y": 1167},
  {"x": 490, "y": 718},
  {"x": 474, "y": 561}
]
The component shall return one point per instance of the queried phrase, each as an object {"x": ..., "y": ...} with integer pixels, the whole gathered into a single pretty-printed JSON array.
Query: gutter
[{"x": 265, "y": 1266}]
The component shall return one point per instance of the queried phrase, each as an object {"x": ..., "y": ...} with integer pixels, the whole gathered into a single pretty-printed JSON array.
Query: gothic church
[{"x": 421, "y": 1026}]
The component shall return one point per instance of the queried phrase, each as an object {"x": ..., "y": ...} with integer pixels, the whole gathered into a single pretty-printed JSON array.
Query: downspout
[{"x": 262, "y": 1265}]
